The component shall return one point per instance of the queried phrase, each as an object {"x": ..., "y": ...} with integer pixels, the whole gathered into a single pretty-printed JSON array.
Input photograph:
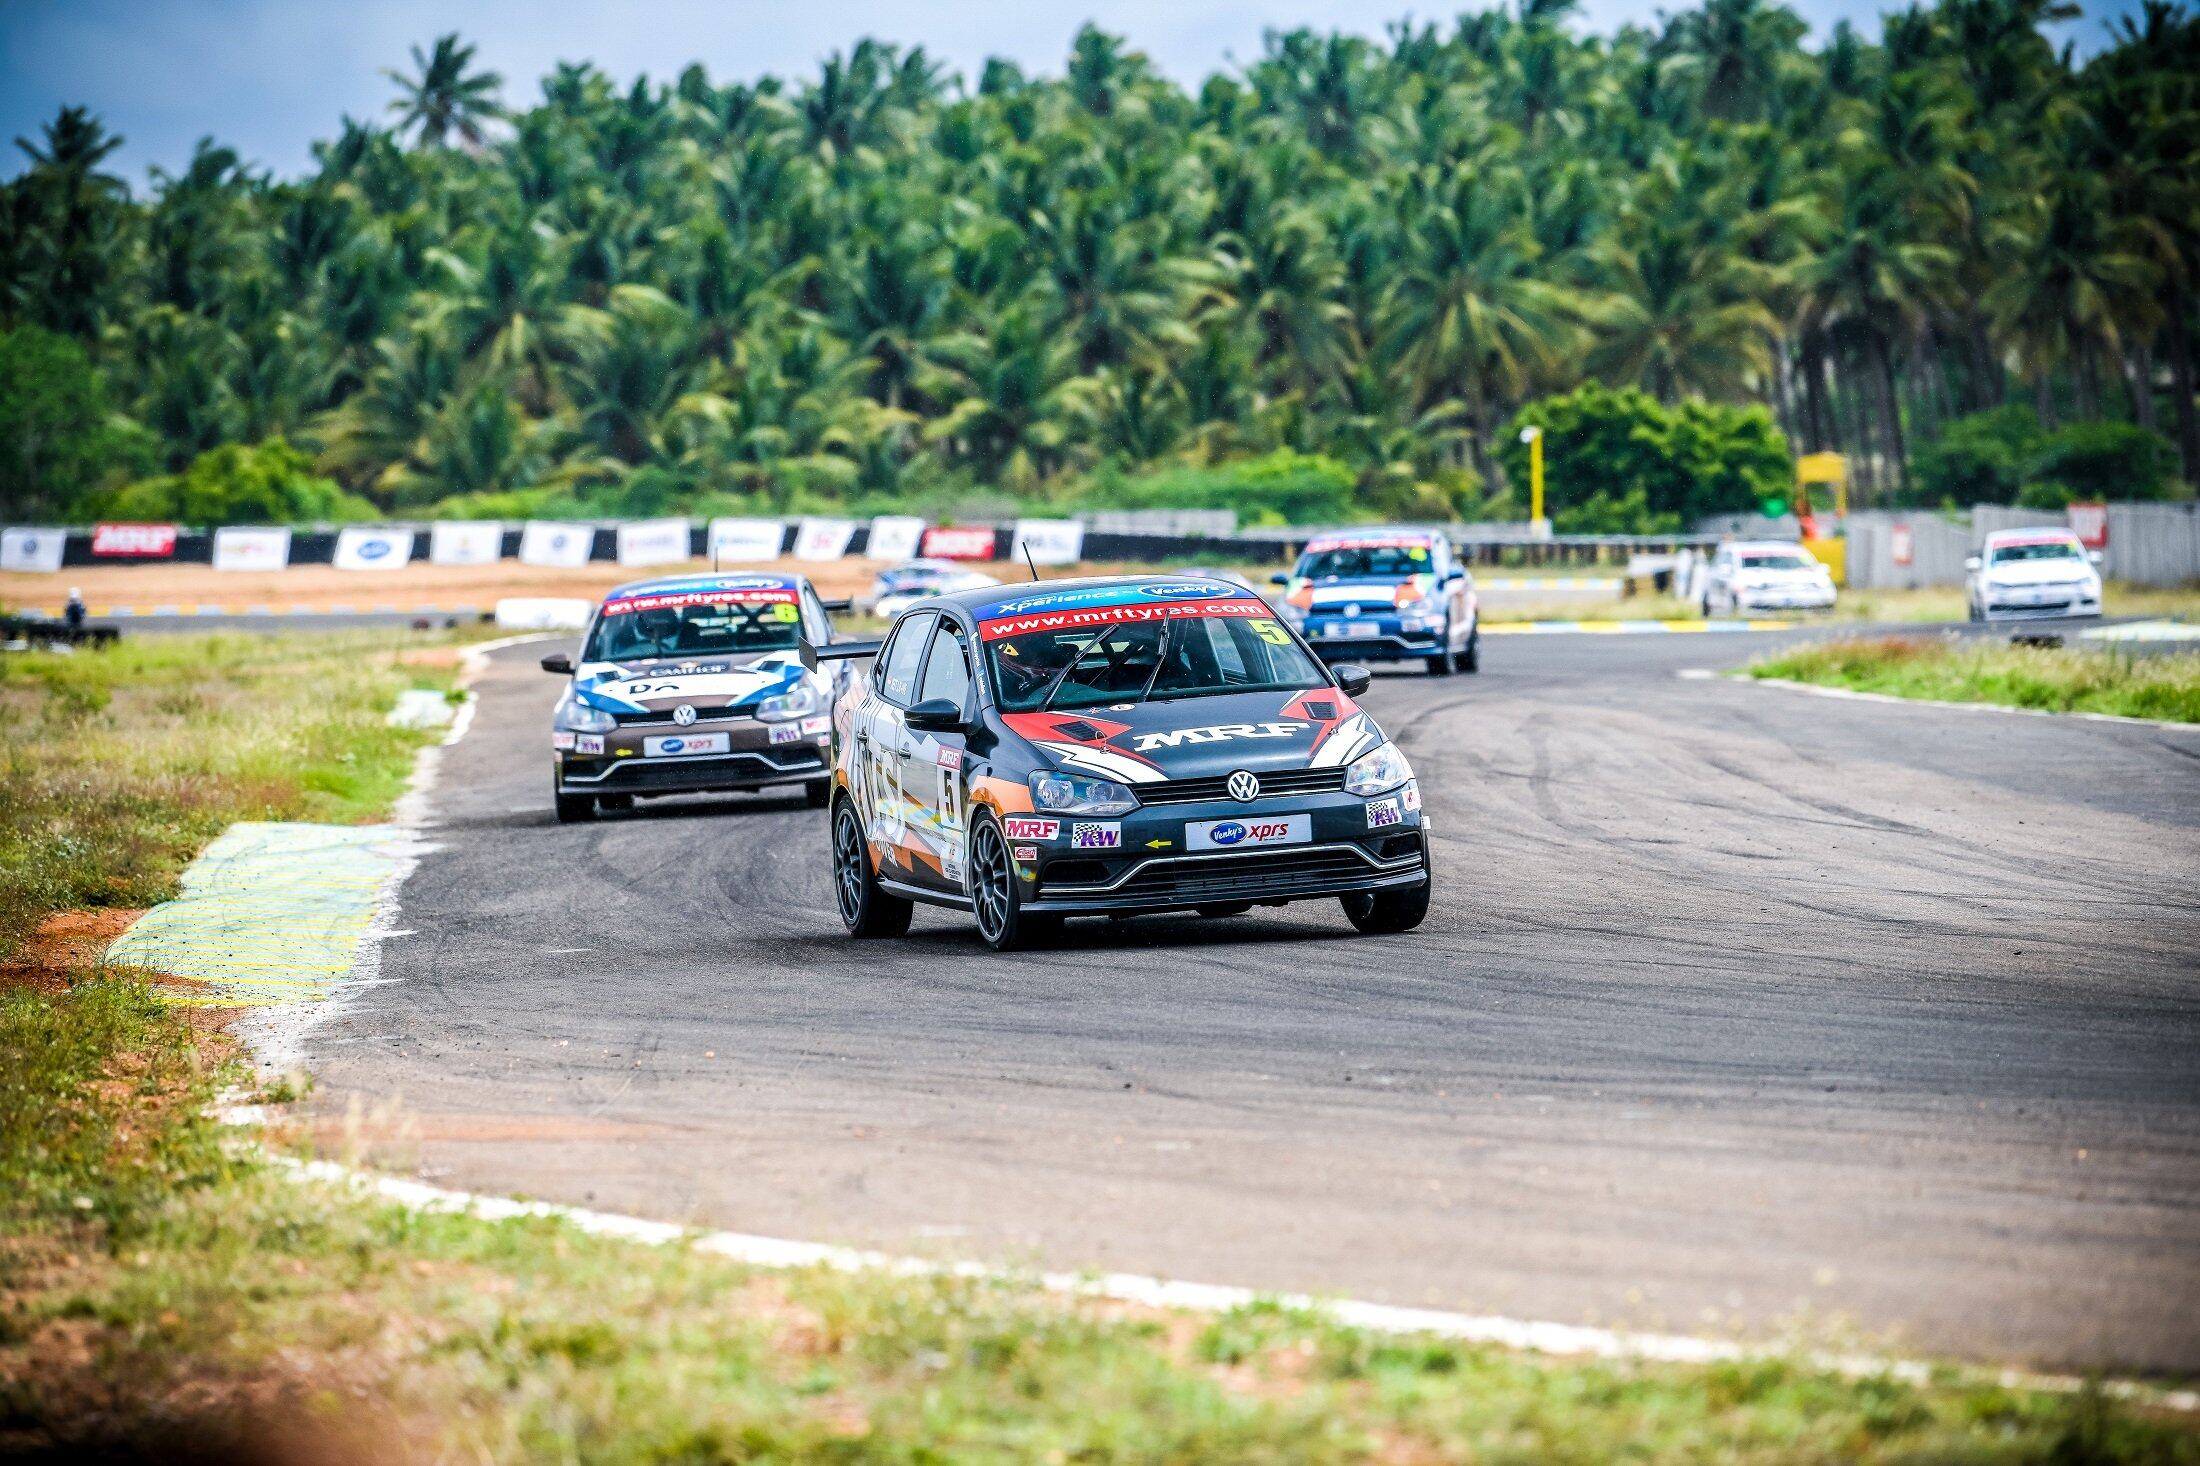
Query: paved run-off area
[{"x": 1735, "y": 1005}]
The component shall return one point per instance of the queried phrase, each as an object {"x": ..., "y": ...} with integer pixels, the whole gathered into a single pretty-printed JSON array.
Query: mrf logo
[{"x": 1217, "y": 733}]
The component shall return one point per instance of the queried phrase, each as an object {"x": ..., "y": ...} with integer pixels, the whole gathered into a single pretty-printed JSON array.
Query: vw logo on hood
[
  {"x": 684, "y": 714},
  {"x": 1244, "y": 788}
]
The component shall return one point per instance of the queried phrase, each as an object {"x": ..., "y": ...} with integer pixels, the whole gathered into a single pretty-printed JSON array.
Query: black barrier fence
[{"x": 1476, "y": 545}]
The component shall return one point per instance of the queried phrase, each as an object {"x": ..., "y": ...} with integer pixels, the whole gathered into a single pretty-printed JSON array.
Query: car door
[
  {"x": 880, "y": 731},
  {"x": 932, "y": 764}
]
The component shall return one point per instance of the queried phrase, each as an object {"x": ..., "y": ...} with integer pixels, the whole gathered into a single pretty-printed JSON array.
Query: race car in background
[
  {"x": 1385, "y": 595},
  {"x": 1109, "y": 747},
  {"x": 692, "y": 684},
  {"x": 2023, "y": 574},
  {"x": 898, "y": 588},
  {"x": 1767, "y": 575}
]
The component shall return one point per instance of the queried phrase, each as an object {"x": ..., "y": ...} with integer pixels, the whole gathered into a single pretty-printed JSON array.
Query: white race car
[
  {"x": 1766, "y": 575},
  {"x": 901, "y": 587},
  {"x": 2033, "y": 573}
]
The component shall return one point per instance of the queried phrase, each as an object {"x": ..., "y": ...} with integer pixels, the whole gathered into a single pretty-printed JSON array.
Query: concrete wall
[{"x": 2148, "y": 544}]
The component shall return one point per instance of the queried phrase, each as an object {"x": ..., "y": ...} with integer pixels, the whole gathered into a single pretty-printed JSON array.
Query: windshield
[
  {"x": 1777, "y": 561},
  {"x": 2040, "y": 550},
  {"x": 1189, "y": 656},
  {"x": 1387, "y": 562},
  {"x": 698, "y": 626}
]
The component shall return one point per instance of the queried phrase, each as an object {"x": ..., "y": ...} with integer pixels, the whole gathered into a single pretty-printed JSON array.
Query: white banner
[
  {"x": 823, "y": 539},
  {"x": 545, "y": 542},
  {"x": 373, "y": 549},
  {"x": 653, "y": 542},
  {"x": 894, "y": 537},
  {"x": 739, "y": 541},
  {"x": 251, "y": 549},
  {"x": 1051, "y": 541},
  {"x": 32, "y": 549},
  {"x": 466, "y": 542}
]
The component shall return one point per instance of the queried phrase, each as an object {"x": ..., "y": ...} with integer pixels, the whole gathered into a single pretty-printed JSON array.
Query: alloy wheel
[
  {"x": 989, "y": 887},
  {"x": 848, "y": 864}
]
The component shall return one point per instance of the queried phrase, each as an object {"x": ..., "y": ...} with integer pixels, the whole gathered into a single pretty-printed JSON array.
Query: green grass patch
[
  {"x": 187, "y": 1295},
  {"x": 116, "y": 767},
  {"x": 1989, "y": 670}
]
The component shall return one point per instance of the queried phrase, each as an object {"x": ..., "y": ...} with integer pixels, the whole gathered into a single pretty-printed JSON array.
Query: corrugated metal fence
[{"x": 2148, "y": 544}]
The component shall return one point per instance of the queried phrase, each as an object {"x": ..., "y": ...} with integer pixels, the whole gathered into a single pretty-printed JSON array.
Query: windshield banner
[
  {"x": 1378, "y": 541},
  {"x": 673, "y": 600},
  {"x": 1120, "y": 615}
]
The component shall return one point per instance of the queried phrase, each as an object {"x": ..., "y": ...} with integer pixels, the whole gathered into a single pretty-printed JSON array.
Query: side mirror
[
  {"x": 1972, "y": 562},
  {"x": 836, "y": 607},
  {"x": 1455, "y": 573},
  {"x": 1279, "y": 578},
  {"x": 559, "y": 663},
  {"x": 1352, "y": 677},
  {"x": 934, "y": 715},
  {"x": 2095, "y": 556}
]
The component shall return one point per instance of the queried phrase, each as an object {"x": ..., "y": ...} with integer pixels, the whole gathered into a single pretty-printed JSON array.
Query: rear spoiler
[{"x": 839, "y": 651}]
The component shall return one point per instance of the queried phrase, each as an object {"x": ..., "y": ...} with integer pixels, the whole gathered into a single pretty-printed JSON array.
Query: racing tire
[
  {"x": 1470, "y": 660},
  {"x": 1225, "y": 908},
  {"x": 615, "y": 801},
  {"x": 1378, "y": 913},
  {"x": 996, "y": 897},
  {"x": 573, "y": 809},
  {"x": 1441, "y": 664},
  {"x": 819, "y": 793},
  {"x": 867, "y": 909}
]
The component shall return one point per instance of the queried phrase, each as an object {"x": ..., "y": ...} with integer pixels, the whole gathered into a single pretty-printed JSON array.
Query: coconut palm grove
[{"x": 1331, "y": 283}]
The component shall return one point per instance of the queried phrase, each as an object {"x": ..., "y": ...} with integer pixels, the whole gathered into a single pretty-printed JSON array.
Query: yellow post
[
  {"x": 1826, "y": 468},
  {"x": 1533, "y": 437}
]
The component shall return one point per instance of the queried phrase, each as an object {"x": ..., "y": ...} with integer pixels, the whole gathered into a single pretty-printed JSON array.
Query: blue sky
[{"x": 270, "y": 76}]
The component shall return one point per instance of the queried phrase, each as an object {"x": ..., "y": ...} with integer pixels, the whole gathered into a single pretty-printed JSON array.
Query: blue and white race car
[
  {"x": 1385, "y": 595},
  {"x": 693, "y": 684}
]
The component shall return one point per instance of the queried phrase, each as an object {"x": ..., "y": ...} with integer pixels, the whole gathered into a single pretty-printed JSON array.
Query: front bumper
[
  {"x": 751, "y": 760},
  {"x": 1153, "y": 868},
  {"x": 2054, "y": 604},
  {"x": 1783, "y": 600},
  {"x": 1368, "y": 639}
]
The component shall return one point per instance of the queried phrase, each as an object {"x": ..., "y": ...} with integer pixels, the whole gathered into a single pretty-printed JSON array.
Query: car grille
[
  {"x": 1273, "y": 784},
  {"x": 1200, "y": 878},
  {"x": 662, "y": 717},
  {"x": 682, "y": 773}
]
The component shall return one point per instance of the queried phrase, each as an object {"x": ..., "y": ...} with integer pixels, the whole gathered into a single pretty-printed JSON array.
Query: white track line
[{"x": 1512, "y": 1333}]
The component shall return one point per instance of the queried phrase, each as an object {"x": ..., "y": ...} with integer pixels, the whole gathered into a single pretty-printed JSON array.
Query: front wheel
[
  {"x": 1440, "y": 665},
  {"x": 573, "y": 809},
  {"x": 866, "y": 909},
  {"x": 1380, "y": 912},
  {"x": 995, "y": 895},
  {"x": 1470, "y": 660}
]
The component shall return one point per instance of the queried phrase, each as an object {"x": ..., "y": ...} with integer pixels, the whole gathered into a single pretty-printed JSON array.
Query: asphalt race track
[{"x": 1737, "y": 1005}]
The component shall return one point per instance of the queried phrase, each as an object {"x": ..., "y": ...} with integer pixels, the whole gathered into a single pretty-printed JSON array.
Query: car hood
[
  {"x": 1198, "y": 737},
  {"x": 1755, "y": 576},
  {"x": 708, "y": 684},
  {"x": 1374, "y": 592},
  {"x": 2038, "y": 572}
]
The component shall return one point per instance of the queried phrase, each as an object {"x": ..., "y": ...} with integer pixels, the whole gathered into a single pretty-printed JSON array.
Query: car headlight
[
  {"x": 1378, "y": 772},
  {"x": 799, "y": 701},
  {"x": 1426, "y": 606},
  {"x": 1075, "y": 794},
  {"x": 576, "y": 716}
]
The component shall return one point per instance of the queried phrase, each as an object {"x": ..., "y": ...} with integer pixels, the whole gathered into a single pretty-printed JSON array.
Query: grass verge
[
  {"x": 164, "y": 1291},
  {"x": 118, "y": 766},
  {"x": 1984, "y": 670}
]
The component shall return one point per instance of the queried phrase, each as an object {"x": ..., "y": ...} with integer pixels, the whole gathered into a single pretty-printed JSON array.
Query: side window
[
  {"x": 898, "y": 664},
  {"x": 816, "y": 625},
  {"x": 946, "y": 669}
]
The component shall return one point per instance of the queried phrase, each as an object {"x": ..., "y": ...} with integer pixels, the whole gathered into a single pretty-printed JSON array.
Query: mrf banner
[{"x": 134, "y": 541}]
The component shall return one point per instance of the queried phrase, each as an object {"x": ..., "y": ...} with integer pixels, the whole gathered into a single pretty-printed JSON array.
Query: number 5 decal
[{"x": 1270, "y": 632}]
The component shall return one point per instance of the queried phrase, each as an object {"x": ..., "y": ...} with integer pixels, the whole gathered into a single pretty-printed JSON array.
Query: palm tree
[{"x": 444, "y": 97}]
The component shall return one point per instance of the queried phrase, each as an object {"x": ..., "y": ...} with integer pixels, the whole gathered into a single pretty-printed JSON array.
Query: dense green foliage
[
  {"x": 882, "y": 283},
  {"x": 2004, "y": 456},
  {"x": 271, "y": 483},
  {"x": 59, "y": 439},
  {"x": 1616, "y": 461}
]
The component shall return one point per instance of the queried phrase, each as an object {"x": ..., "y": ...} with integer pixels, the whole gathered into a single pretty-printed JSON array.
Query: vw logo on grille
[
  {"x": 1244, "y": 788},
  {"x": 1352, "y": 610},
  {"x": 684, "y": 714}
]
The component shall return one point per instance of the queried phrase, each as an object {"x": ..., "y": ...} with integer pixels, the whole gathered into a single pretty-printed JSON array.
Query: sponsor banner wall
[
  {"x": 823, "y": 539},
  {"x": 653, "y": 542},
  {"x": 734, "y": 541},
  {"x": 251, "y": 549},
  {"x": 134, "y": 541},
  {"x": 32, "y": 549},
  {"x": 466, "y": 542},
  {"x": 373, "y": 549},
  {"x": 894, "y": 537},
  {"x": 546, "y": 542},
  {"x": 959, "y": 542},
  {"x": 1050, "y": 541}
]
